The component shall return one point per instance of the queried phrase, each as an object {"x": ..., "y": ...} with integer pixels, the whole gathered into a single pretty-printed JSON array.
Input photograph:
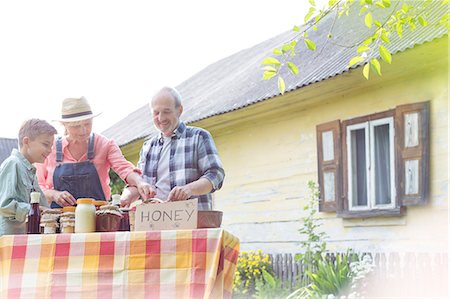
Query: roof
[
  {"x": 236, "y": 81},
  {"x": 6, "y": 146}
]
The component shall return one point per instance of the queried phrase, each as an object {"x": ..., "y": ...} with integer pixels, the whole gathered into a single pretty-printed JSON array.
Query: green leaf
[
  {"x": 269, "y": 68},
  {"x": 363, "y": 9},
  {"x": 422, "y": 21},
  {"x": 369, "y": 2},
  {"x": 310, "y": 44},
  {"x": 444, "y": 2},
  {"x": 380, "y": 4},
  {"x": 309, "y": 14},
  {"x": 368, "y": 20},
  {"x": 292, "y": 67},
  {"x": 366, "y": 71},
  {"x": 277, "y": 51},
  {"x": 387, "y": 3},
  {"x": 385, "y": 38},
  {"x": 281, "y": 85},
  {"x": 296, "y": 29},
  {"x": 405, "y": 8},
  {"x": 412, "y": 24},
  {"x": 385, "y": 55},
  {"x": 399, "y": 29},
  {"x": 286, "y": 47},
  {"x": 332, "y": 2},
  {"x": 312, "y": 2},
  {"x": 363, "y": 49},
  {"x": 368, "y": 41},
  {"x": 355, "y": 60},
  {"x": 268, "y": 75},
  {"x": 377, "y": 23},
  {"x": 270, "y": 60},
  {"x": 376, "y": 65}
]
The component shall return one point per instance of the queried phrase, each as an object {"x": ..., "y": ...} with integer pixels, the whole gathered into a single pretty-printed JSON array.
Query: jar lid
[
  {"x": 84, "y": 200},
  {"x": 100, "y": 203},
  {"x": 68, "y": 209}
]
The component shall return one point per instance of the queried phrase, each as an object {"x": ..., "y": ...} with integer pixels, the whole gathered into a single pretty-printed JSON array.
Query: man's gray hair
[{"x": 174, "y": 93}]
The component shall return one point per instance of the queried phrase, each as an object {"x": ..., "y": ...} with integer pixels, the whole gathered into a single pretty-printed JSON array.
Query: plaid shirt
[{"x": 193, "y": 155}]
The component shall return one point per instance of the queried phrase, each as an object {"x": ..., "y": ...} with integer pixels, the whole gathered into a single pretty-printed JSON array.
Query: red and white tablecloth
[{"x": 160, "y": 264}]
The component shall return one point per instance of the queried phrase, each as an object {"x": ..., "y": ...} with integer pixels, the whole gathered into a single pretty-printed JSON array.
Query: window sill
[{"x": 372, "y": 213}]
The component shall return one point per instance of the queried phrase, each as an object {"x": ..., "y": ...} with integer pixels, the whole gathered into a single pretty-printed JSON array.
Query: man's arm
[
  {"x": 196, "y": 188},
  {"x": 209, "y": 165}
]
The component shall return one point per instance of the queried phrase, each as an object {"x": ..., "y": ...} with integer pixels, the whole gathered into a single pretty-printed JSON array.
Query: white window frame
[
  {"x": 368, "y": 127},
  {"x": 383, "y": 121},
  {"x": 351, "y": 128}
]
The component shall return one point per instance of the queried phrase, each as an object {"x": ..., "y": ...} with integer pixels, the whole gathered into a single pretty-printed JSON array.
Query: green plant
[
  {"x": 269, "y": 287},
  {"x": 331, "y": 277},
  {"x": 116, "y": 183},
  {"x": 313, "y": 245},
  {"x": 249, "y": 270},
  {"x": 398, "y": 18}
]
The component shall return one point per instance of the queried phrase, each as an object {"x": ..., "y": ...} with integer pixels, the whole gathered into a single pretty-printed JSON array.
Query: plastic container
[{"x": 85, "y": 216}]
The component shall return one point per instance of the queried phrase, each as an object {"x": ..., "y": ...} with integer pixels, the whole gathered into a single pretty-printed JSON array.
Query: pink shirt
[{"x": 107, "y": 155}]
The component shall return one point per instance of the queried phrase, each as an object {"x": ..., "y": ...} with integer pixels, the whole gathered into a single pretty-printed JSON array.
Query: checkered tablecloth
[{"x": 159, "y": 264}]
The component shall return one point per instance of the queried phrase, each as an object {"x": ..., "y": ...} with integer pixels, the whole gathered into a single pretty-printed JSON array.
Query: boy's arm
[
  {"x": 12, "y": 206},
  {"x": 14, "y": 209}
]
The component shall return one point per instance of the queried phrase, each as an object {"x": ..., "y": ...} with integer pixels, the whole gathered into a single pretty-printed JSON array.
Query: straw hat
[{"x": 76, "y": 109}]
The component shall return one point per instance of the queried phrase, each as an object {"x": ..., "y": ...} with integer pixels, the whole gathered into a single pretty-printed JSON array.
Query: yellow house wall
[{"x": 270, "y": 154}]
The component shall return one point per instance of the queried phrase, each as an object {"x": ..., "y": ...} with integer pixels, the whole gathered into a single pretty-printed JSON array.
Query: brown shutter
[
  {"x": 329, "y": 160},
  {"x": 412, "y": 147}
]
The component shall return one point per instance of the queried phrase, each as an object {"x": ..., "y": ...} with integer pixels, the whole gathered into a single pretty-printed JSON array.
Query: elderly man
[{"x": 181, "y": 162}]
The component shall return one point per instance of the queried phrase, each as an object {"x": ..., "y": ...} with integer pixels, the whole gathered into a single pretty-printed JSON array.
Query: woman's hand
[{"x": 63, "y": 198}]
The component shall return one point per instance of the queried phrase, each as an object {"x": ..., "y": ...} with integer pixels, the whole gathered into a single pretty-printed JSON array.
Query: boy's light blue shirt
[{"x": 17, "y": 180}]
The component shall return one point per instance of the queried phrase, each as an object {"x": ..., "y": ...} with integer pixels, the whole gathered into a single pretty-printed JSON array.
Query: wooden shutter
[
  {"x": 412, "y": 147},
  {"x": 329, "y": 165}
]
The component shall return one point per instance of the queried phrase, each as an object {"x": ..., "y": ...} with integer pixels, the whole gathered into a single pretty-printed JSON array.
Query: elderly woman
[{"x": 80, "y": 161}]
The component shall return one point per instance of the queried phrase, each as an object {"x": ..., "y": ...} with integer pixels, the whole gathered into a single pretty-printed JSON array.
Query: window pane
[
  {"x": 329, "y": 186},
  {"x": 382, "y": 165},
  {"x": 411, "y": 177},
  {"x": 411, "y": 129},
  {"x": 359, "y": 177},
  {"x": 328, "y": 146}
]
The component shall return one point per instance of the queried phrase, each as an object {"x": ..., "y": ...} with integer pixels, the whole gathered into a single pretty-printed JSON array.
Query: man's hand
[
  {"x": 180, "y": 193},
  {"x": 63, "y": 198},
  {"x": 146, "y": 190}
]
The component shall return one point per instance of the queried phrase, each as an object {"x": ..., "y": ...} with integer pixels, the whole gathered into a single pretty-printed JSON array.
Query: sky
[{"x": 119, "y": 53}]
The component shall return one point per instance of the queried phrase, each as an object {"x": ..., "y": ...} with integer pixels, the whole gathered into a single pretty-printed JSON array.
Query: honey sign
[{"x": 167, "y": 216}]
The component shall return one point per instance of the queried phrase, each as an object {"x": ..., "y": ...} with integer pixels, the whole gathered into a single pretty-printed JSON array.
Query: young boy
[{"x": 18, "y": 175}]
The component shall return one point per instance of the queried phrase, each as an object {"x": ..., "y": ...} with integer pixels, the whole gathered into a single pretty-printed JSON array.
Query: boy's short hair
[{"x": 34, "y": 127}]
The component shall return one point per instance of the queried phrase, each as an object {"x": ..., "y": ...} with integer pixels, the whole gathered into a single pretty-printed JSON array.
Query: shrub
[
  {"x": 269, "y": 287},
  {"x": 249, "y": 270}
]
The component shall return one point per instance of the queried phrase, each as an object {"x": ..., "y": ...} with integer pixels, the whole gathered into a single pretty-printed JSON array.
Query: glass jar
[
  {"x": 99, "y": 203},
  {"x": 34, "y": 216},
  {"x": 125, "y": 221},
  {"x": 85, "y": 216}
]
